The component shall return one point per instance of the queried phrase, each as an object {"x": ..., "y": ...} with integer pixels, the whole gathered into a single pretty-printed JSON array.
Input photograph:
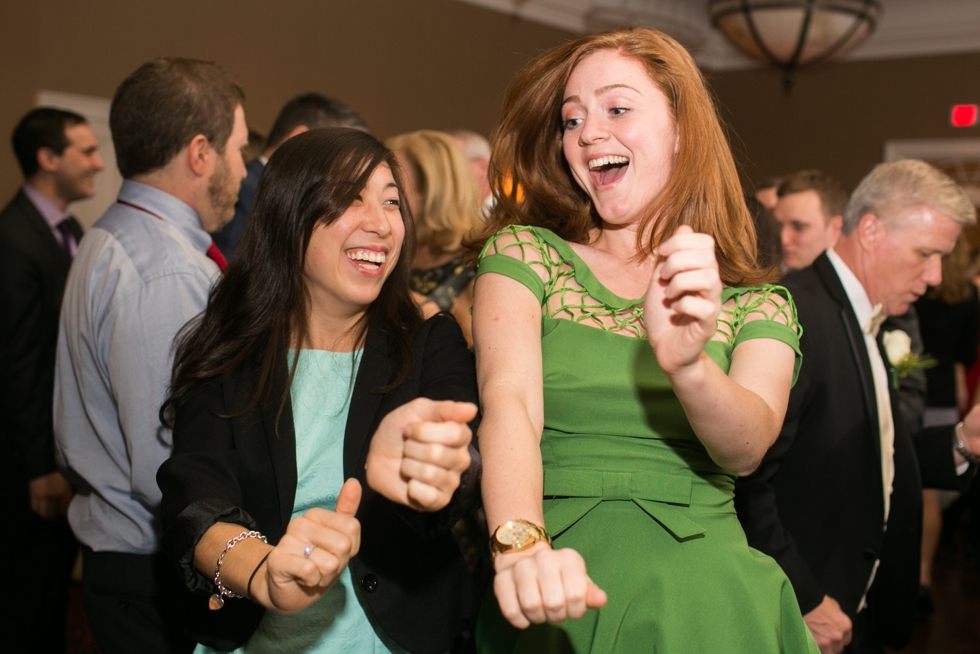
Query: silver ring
[{"x": 308, "y": 550}]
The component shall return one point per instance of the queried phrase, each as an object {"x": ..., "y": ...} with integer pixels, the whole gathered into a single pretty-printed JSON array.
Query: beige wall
[
  {"x": 411, "y": 64},
  {"x": 403, "y": 64},
  {"x": 838, "y": 117}
]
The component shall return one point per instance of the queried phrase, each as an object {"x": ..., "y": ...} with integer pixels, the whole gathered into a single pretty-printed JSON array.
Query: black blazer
[
  {"x": 33, "y": 271},
  {"x": 815, "y": 504},
  {"x": 409, "y": 567}
]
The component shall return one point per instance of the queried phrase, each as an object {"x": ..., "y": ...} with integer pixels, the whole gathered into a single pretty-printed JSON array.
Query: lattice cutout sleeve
[
  {"x": 761, "y": 312},
  {"x": 568, "y": 290},
  {"x": 519, "y": 253},
  {"x": 771, "y": 306}
]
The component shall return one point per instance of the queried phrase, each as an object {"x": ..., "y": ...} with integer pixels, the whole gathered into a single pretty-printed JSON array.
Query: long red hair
[{"x": 703, "y": 190}]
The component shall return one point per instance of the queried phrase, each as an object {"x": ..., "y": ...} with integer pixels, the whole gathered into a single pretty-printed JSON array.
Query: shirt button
[{"x": 368, "y": 583}]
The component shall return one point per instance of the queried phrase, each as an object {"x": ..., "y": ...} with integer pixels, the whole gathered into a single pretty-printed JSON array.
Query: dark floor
[{"x": 954, "y": 627}]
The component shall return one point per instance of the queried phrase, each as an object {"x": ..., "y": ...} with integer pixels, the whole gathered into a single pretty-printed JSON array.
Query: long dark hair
[{"x": 262, "y": 303}]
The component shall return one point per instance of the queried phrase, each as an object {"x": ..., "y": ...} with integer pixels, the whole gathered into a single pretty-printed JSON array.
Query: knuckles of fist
[
  {"x": 548, "y": 586},
  {"x": 427, "y": 458}
]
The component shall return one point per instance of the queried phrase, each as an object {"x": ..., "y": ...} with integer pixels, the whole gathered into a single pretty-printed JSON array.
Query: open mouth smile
[
  {"x": 367, "y": 260},
  {"x": 608, "y": 169}
]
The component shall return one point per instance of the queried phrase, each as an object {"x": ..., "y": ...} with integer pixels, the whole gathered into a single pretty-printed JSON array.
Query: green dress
[{"x": 628, "y": 484}]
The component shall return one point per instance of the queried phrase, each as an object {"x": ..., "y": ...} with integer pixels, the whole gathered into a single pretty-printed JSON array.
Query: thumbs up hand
[
  {"x": 311, "y": 555},
  {"x": 682, "y": 305},
  {"x": 419, "y": 452}
]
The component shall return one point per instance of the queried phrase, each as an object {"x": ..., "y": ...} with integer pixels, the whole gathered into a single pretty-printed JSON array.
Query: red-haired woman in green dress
[{"x": 632, "y": 362}]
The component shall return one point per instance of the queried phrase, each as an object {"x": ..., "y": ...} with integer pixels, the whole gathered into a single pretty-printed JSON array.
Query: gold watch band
[{"x": 515, "y": 535}]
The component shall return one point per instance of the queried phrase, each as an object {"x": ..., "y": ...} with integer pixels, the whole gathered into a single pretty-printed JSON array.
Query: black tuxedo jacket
[
  {"x": 816, "y": 504},
  {"x": 33, "y": 270},
  {"x": 240, "y": 470}
]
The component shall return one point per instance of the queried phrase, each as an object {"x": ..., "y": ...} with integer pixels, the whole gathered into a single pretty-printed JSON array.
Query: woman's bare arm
[
  {"x": 736, "y": 416},
  {"x": 535, "y": 584},
  {"x": 507, "y": 334}
]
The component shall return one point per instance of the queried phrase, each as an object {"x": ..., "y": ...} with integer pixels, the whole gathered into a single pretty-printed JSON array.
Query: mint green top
[
  {"x": 627, "y": 483},
  {"x": 337, "y": 622}
]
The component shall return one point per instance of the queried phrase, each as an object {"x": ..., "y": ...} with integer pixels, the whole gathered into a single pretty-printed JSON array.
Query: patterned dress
[{"x": 444, "y": 283}]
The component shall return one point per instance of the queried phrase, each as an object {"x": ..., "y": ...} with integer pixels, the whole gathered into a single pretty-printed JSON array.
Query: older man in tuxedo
[
  {"x": 837, "y": 499},
  {"x": 58, "y": 154}
]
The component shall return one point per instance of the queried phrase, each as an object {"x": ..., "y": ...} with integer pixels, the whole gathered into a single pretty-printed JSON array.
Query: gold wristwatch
[{"x": 516, "y": 535}]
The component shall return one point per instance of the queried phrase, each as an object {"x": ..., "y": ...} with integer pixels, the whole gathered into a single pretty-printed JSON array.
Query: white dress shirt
[{"x": 870, "y": 319}]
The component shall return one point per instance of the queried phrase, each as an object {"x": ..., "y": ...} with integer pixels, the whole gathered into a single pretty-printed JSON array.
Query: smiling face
[
  {"x": 348, "y": 261},
  {"x": 619, "y": 137},
  {"x": 906, "y": 258},
  {"x": 75, "y": 169}
]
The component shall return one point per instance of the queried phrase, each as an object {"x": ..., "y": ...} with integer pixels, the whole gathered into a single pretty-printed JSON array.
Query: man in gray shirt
[{"x": 140, "y": 274}]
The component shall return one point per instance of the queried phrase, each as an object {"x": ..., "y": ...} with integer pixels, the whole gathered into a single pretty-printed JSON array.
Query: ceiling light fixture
[{"x": 792, "y": 34}]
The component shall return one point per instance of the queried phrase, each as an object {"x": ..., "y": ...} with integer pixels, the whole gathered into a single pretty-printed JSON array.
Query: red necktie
[{"x": 214, "y": 254}]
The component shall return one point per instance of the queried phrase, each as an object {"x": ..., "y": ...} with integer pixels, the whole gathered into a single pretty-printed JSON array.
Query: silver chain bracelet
[{"x": 218, "y": 599}]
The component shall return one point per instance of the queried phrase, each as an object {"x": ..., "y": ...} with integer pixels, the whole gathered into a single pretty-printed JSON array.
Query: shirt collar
[
  {"x": 52, "y": 213},
  {"x": 172, "y": 210},
  {"x": 869, "y": 317}
]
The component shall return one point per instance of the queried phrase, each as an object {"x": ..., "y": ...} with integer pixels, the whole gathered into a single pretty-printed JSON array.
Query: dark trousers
[
  {"x": 38, "y": 556},
  {"x": 131, "y": 602},
  {"x": 864, "y": 638}
]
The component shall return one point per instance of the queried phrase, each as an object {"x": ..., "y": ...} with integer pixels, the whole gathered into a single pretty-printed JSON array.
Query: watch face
[{"x": 514, "y": 533}]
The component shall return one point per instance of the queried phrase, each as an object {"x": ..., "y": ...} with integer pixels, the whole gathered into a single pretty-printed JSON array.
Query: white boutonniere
[{"x": 905, "y": 362}]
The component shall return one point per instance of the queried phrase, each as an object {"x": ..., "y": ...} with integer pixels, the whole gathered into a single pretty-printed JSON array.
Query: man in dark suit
[
  {"x": 58, "y": 154},
  {"x": 837, "y": 499},
  {"x": 301, "y": 114}
]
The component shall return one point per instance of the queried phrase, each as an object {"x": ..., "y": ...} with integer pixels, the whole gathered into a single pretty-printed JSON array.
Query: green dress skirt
[{"x": 627, "y": 483}]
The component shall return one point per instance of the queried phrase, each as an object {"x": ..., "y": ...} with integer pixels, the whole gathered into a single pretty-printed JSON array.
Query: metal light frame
[{"x": 863, "y": 11}]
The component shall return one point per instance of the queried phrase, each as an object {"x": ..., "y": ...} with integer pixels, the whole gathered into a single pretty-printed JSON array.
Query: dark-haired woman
[
  {"x": 632, "y": 363},
  {"x": 312, "y": 365}
]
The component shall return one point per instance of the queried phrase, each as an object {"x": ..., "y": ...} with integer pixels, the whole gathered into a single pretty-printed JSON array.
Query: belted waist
[
  {"x": 571, "y": 493},
  {"x": 673, "y": 489}
]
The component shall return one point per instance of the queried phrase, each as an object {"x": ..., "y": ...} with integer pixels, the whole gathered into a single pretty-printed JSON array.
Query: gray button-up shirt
[{"x": 136, "y": 280}]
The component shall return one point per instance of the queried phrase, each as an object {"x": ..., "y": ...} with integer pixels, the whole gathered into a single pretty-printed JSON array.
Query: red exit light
[{"x": 963, "y": 115}]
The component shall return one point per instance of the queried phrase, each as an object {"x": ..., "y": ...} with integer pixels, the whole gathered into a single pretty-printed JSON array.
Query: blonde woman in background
[{"x": 444, "y": 199}]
